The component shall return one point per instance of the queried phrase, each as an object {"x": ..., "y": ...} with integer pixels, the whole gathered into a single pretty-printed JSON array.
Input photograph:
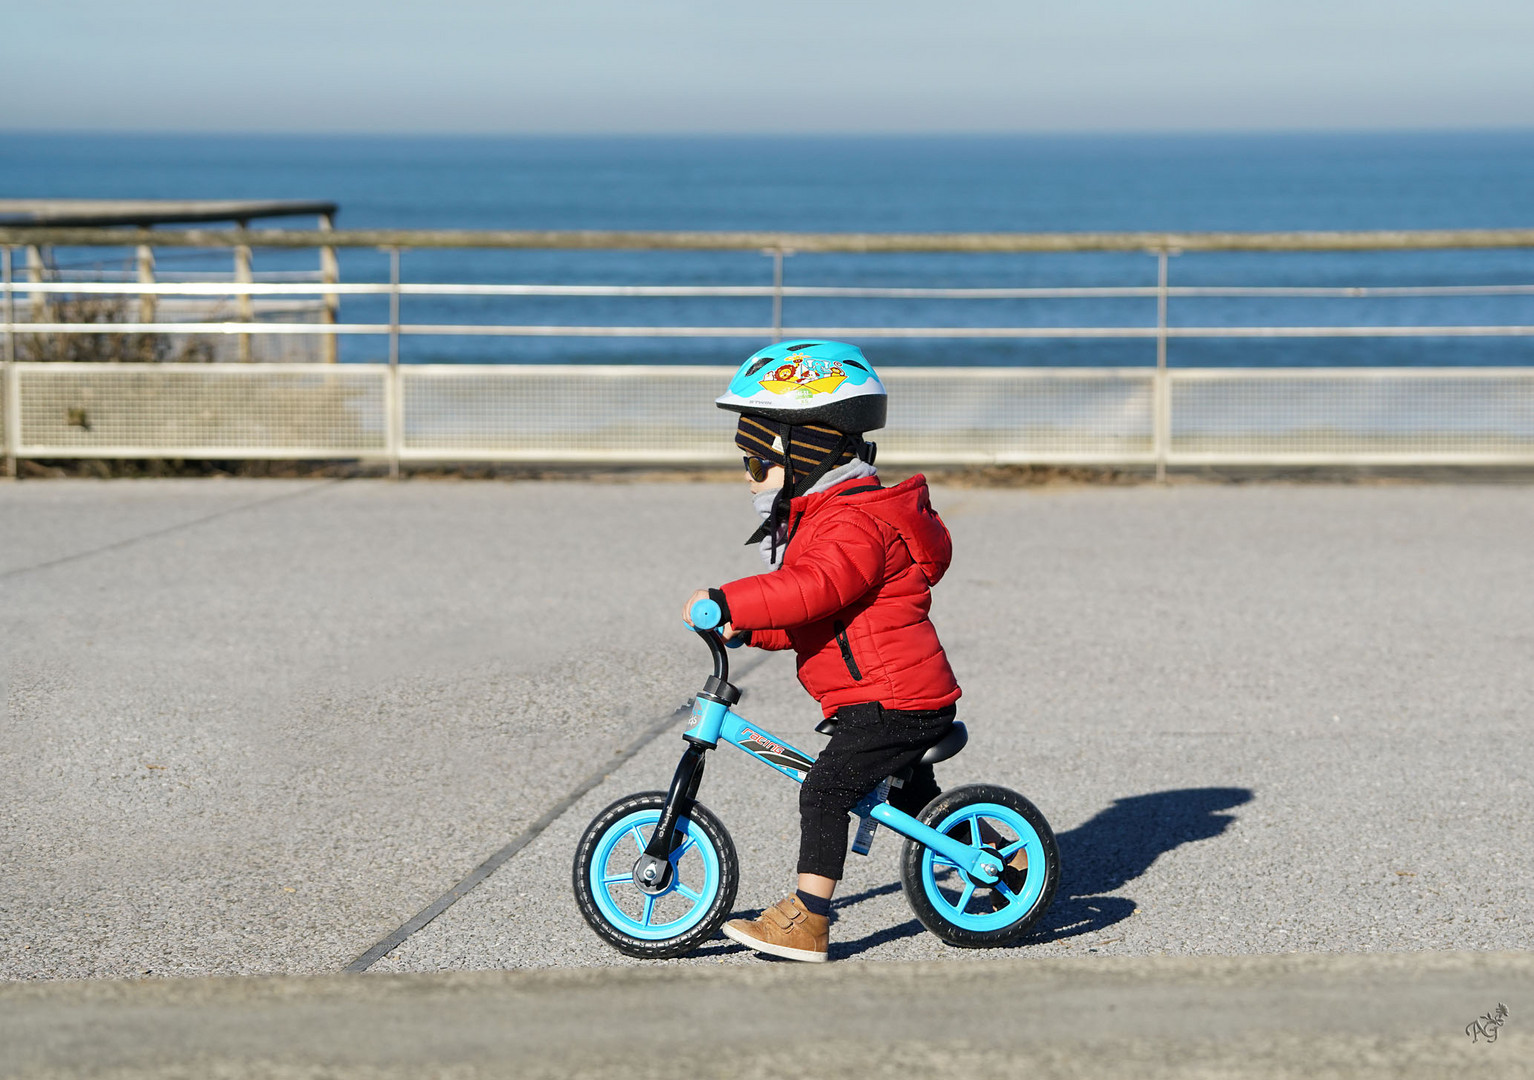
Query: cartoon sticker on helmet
[{"x": 805, "y": 376}]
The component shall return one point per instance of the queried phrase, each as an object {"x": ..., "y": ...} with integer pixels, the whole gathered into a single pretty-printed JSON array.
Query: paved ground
[
  {"x": 252, "y": 727},
  {"x": 1400, "y": 1016}
]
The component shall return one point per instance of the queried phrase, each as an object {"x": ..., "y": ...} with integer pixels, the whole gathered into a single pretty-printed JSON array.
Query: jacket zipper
[{"x": 841, "y": 639}]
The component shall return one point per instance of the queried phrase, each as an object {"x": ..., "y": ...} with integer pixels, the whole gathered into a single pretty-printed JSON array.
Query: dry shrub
[{"x": 105, "y": 347}]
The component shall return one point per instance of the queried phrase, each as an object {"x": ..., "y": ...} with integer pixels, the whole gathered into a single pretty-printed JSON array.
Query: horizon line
[{"x": 1339, "y": 132}]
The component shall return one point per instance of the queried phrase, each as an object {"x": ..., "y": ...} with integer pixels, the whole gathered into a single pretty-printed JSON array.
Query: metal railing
[{"x": 1157, "y": 415}]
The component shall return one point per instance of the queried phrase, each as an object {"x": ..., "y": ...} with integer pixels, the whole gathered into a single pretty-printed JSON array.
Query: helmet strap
[{"x": 785, "y": 493}]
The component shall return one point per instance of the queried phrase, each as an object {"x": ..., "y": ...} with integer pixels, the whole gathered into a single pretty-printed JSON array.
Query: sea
[{"x": 863, "y": 184}]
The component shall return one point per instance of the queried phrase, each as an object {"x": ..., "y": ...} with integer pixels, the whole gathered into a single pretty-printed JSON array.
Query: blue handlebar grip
[{"x": 705, "y": 615}]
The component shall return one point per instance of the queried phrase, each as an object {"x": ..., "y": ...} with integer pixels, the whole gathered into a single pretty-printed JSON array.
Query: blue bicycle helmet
[
  {"x": 809, "y": 382},
  {"x": 800, "y": 386}
]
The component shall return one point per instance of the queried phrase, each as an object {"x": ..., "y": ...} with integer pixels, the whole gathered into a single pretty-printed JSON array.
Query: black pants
[{"x": 870, "y": 743}]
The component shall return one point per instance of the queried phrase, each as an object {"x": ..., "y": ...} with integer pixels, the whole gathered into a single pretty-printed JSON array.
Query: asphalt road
[{"x": 252, "y": 727}]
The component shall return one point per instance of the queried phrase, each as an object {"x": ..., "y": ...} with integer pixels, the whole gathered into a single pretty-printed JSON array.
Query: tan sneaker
[
  {"x": 786, "y": 929},
  {"x": 1012, "y": 875}
]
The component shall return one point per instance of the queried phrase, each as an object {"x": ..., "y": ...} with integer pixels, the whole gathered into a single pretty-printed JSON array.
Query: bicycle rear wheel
[
  {"x": 673, "y": 920},
  {"x": 966, "y": 912}
]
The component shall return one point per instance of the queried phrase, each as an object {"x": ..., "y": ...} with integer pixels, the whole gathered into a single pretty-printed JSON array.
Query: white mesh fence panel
[
  {"x": 1405, "y": 415},
  {"x": 984, "y": 415},
  {"x": 667, "y": 414},
  {"x": 569, "y": 413},
  {"x": 201, "y": 410}
]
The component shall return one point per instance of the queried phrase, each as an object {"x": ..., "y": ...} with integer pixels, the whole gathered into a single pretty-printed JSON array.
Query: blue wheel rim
[
  {"x": 957, "y": 899},
  {"x": 669, "y": 914}
]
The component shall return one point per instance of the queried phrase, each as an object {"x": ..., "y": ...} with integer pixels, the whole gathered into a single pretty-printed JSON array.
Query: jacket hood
[{"x": 907, "y": 508}]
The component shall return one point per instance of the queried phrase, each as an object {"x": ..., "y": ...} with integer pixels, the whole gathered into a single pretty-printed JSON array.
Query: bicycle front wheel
[
  {"x": 962, "y": 910},
  {"x": 655, "y": 924}
]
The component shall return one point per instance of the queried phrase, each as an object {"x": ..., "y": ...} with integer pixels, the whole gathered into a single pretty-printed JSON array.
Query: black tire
[
  {"x": 708, "y": 830},
  {"x": 914, "y": 880}
]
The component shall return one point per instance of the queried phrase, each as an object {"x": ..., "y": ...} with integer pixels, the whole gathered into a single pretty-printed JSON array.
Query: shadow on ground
[
  {"x": 1098, "y": 857},
  {"x": 1119, "y": 844}
]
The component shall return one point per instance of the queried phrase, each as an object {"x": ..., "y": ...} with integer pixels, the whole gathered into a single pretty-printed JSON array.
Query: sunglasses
[{"x": 756, "y": 468}]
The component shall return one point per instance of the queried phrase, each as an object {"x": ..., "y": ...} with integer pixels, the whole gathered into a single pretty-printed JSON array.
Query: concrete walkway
[
  {"x": 1388, "y": 1016},
  {"x": 253, "y": 727}
]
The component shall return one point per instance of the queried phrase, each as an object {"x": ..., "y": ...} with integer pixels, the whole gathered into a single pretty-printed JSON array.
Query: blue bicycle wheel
[
  {"x": 966, "y": 911},
  {"x": 672, "y": 920}
]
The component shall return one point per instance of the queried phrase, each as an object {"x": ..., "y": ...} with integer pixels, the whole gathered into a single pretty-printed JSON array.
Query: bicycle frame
[{"x": 713, "y": 720}]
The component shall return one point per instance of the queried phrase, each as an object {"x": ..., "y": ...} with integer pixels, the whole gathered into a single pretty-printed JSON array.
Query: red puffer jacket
[{"x": 852, "y": 595}]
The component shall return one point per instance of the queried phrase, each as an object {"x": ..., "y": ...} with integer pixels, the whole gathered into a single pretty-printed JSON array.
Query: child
[{"x": 851, "y": 565}]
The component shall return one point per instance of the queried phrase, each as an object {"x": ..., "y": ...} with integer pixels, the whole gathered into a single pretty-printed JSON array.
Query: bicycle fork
[{"x": 652, "y": 873}]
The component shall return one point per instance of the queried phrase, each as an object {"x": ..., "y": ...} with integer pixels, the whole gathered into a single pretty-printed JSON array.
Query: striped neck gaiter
[
  {"x": 807, "y": 451},
  {"x": 809, "y": 444}
]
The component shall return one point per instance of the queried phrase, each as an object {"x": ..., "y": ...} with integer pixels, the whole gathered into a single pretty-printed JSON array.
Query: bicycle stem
[{"x": 716, "y": 647}]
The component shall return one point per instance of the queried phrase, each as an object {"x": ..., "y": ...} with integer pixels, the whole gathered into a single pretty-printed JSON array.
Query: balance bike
[{"x": 656, "y": 872}]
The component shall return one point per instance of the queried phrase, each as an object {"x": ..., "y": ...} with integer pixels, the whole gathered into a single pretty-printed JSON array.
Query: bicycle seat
[{"x": 945, "y": 748}]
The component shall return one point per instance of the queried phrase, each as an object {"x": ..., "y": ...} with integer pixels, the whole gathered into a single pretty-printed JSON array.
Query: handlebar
[{"x": 705, "y": 615}]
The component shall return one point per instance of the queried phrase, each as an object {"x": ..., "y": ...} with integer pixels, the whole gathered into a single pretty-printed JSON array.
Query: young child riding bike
[{"x": 851, "y": 565}]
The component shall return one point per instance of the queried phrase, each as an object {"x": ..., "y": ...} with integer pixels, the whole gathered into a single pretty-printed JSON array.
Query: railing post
[
  {"x": 330, "y": 304},
  {"x": 36, "y": 272},
  {"x": 146, "y": 301},
  {"x": 11, "y": 418},
  {"x": 246, "y": 306},
  {"x": 1162, "y": 394},
  {"x": 6, "y": 254},
  {"x": 777, "y": 293},
  {"x": 393, "y": 306},
  {"x": 393, "y": 391},
  {"x": 395, "y": 398}
]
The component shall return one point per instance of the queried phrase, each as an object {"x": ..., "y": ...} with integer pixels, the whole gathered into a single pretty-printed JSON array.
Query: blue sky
[{"x": 692, "y": 66}]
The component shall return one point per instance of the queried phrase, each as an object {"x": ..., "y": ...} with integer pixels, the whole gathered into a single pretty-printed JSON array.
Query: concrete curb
[{"x": 1289, "y": 1015}]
